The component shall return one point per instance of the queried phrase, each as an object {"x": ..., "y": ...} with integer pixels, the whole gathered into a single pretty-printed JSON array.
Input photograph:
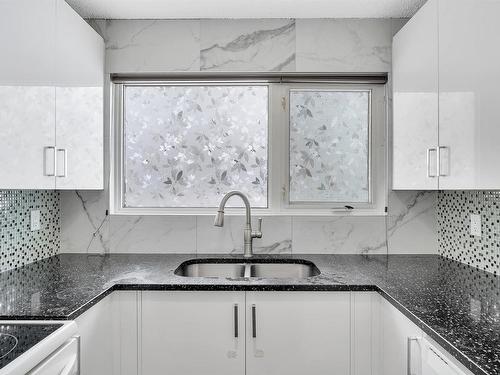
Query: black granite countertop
[
  {"x": 457, "y": 305},
  {"x": 15, "y": 339}
]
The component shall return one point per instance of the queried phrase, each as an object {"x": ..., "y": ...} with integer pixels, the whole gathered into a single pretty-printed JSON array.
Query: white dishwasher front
[
  {"x": 435, "y": 362},
  {"x": 64, "y": 361}
]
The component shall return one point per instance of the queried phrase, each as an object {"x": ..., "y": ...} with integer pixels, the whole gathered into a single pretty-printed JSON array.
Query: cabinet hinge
[{"x": 283, "y": 103}]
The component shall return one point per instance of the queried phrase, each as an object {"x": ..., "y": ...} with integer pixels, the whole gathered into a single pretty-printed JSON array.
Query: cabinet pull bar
[
  {"x": 441, "y": 150},
  {"x": 45, "y": 159},
  {"x": 65, "y": 160},
  {"x": 429, "y": 150},
  {"x": 408, "y": 355},
  {"x": 254, "y": 321},
  {"x": 236, "y": 320}
]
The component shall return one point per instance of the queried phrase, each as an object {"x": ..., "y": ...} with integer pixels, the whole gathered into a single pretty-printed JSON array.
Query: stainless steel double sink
[{"x": 230, "y": 268}]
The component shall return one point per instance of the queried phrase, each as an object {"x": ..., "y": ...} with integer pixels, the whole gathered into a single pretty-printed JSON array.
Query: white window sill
[{"x": 255, "y": 212}]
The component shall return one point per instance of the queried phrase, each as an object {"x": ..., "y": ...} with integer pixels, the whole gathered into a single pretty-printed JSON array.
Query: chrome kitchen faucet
[{"x": 249, "y": 235}]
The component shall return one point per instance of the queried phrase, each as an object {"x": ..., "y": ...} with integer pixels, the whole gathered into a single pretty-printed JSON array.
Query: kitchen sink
[
  {"x": 259, "y": 268},
  {"x": 211, "y": 269},
  {"x": 284, "y": 270}
]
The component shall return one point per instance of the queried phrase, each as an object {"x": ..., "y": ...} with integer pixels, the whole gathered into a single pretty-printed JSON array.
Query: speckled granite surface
[
  {"x": 15, "y": 339},
  {"x": 457, "y": 305}
]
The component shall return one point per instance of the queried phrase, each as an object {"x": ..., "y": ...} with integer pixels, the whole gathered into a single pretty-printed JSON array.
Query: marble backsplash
[
  {"x": 302, "y": 45},
  {"x": 410, "y": 227},
  {"x": 20, "y": 245}
]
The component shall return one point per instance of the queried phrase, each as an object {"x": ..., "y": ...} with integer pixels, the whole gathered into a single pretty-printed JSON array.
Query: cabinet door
[
  {"x": 298, "y": 333},
  {"x": 95, "y": 327},
  {"x": 365, "y": 333},
  {"x": 27, "y": 94},
  {"x": 397, "y": 336},
  {"x": 108, "y": 335},
  {"x": 415, "y": 120},
  {"x": 125, "y": 328},
  {"x": 193, "y": 333},
  {"x": 79, "y": 102},
  {"x": 469, "y": 73}
]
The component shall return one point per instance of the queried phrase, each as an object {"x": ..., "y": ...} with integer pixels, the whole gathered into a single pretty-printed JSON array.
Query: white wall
[{"x": 301, "y": 45}]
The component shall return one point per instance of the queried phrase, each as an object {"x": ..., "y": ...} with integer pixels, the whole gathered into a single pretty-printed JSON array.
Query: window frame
[
  {"x": 318, "y": 204},
  {"x": 278, "y": 149},
  {"x": 120, "y": 134}
]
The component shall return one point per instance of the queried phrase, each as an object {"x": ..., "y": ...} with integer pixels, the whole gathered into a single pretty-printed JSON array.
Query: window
[
  {"x": 308, "y": 148},
  {"x": 186, "y": 146},
  {"x": 329, "y": 146}
]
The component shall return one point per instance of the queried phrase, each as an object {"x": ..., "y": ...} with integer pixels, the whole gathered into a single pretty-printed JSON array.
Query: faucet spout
[{"x": 249, "y": 235}]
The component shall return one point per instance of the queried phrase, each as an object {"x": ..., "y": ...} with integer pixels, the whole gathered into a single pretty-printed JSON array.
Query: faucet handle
[{"x": 258, "y": 233}]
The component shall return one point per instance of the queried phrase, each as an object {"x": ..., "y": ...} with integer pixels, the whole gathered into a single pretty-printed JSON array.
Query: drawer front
[{"x": 64, "y": 361}]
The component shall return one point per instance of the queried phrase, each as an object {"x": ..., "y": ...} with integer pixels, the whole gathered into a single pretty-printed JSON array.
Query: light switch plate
[
  {"x": 35, "y": 220},
  {"x": 475, "y": 225}
]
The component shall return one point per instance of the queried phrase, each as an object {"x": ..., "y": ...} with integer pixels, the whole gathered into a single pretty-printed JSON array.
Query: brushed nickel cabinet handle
[
  {"x": 429, "y": 151},
  {"x": 236, "y": 320},
  {"x": 447, "y": 170},
  {"x": 254, "y": 321},
  {"x": 45, "y": 159},
  {"x": 408, "y": 354},
  {"x": 65, "y": 162}
]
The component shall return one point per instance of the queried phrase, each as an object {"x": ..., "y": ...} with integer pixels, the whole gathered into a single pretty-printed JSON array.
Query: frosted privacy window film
[
  {"x": 329, "y": 148},
  {"x": 186, "y": 146}
]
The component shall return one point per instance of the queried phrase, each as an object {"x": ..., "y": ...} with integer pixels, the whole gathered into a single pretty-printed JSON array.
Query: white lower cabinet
[
  {"x": 108, "y": 336},
  {"x": 407, "y": 350},
  {"x": 298, "y": 333},
  {"x": 96, "y": 335},
  {"x": 125, "y": 330},
  {"x": 365, "y": 333},
  {"x": 192, "y": 333},
  {"x": 398, "y": 335},
  {"x": 255, "y": 333}
]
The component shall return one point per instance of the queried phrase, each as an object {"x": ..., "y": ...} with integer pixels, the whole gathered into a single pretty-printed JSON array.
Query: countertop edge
[
  {"x": 130, "y": 281},
  {"x": 449, "y": 347},
  {"x": 456, "y": 353}
]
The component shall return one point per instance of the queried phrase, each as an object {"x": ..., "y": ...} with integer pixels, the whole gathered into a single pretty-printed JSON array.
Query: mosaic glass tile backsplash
[
  {"x": 18, "y": 244},
  {"x": 454, "y": 238}
]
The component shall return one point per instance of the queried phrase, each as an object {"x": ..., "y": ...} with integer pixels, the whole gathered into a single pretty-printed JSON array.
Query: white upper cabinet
[
  {"x": 27, "y": 94},
  {"x": 446, "y": 121},
  {"x": 469, "y": 94},
  {"x": 79, "y": 98},
  {"x": 51, "y": 97},
  {"x": 415, "y": 136}
]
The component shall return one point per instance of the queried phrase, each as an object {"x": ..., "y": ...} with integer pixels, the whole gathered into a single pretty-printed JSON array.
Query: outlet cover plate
[
  {"x": 35, "y": 220},
  {"x": 475, "y": 225}
]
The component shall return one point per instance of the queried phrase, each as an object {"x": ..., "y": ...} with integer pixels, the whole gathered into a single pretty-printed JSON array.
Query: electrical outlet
[
  {"x": 475, "y": 225},
  {"x": 35, "y": 220}
]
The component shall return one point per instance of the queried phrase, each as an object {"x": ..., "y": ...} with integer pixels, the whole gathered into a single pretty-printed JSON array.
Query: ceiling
[{"x": 175, "y": 9}]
